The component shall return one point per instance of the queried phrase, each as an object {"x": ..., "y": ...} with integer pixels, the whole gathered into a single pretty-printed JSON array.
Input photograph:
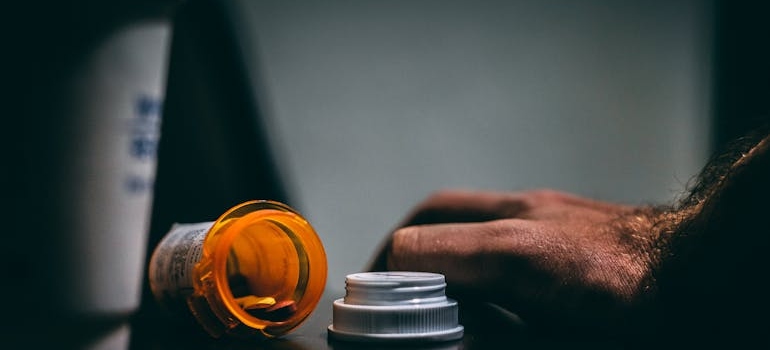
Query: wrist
[{"x": 712, "y": 250}]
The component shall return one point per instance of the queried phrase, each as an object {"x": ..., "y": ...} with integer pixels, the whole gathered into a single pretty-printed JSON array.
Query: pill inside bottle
[{"x": 258, "y": 271}]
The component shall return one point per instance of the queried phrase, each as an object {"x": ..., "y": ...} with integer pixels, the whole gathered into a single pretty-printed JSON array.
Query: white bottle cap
[{"x": 395, "y": 306}]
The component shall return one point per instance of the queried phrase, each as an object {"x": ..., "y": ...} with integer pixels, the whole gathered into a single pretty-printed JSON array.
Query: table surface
[{"x": 485, "y": 328}]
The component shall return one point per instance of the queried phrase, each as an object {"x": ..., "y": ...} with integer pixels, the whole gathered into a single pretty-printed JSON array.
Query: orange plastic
[{"x": 261, "y": 272}]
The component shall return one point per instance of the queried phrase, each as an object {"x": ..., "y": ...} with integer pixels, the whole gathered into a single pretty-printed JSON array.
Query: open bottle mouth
[
  {"x": 401, "y": 306},
  {"x": 262, "y": 271}
]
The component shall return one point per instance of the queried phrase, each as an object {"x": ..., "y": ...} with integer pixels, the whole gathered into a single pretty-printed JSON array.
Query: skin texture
[
  {"x": 556, "y": 258},
  {"x": 572, "y": 266}
]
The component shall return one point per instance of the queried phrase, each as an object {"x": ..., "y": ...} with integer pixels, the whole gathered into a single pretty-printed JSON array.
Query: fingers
[
  {"x": 451, "y": 249},
  {"x": 478, "y": 206},
  {"x": 472, "y": 256},
  {"x": 550, "y": 256},
  {"x": 464, "y": 206},
  {"x": 454, "y": 206}
]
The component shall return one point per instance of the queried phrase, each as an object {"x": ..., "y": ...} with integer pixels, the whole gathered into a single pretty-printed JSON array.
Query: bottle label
[
  {"x": 108, "y": 158},
  {"x": 173, "y": 261}
]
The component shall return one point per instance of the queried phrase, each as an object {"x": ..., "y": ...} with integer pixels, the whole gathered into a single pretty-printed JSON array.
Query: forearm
[{"x": 713, "y": 246}]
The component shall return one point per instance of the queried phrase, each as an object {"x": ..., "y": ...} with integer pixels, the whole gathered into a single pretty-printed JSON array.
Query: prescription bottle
[{"x": 258, "y": 271}]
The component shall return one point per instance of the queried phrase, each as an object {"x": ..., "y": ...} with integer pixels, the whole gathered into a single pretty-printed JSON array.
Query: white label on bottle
[
  {"x": 174, "y": 259},
  {"x": 114, "y": 102}
]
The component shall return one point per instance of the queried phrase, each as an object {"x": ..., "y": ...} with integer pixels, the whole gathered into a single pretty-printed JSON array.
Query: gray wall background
[{"x": 373, "y": 105}]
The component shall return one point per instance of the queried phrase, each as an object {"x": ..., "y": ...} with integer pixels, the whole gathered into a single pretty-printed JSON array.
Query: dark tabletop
[{"x": 485, "y": 328}]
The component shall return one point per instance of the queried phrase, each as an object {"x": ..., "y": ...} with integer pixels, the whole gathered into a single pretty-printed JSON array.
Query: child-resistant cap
[{"x": 395, "y": 306}]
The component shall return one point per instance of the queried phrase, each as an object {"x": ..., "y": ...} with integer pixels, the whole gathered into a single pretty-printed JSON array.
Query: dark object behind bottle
[{"x": 214, "y": 150}]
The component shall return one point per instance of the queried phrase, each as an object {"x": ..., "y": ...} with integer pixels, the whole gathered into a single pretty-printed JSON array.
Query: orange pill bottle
[{"x": 258, "y": 271}]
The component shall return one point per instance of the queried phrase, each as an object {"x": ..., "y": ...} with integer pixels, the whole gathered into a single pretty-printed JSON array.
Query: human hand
[
  {"x": 559, "y": 261},
  {"x": 568, "y": 265}
]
